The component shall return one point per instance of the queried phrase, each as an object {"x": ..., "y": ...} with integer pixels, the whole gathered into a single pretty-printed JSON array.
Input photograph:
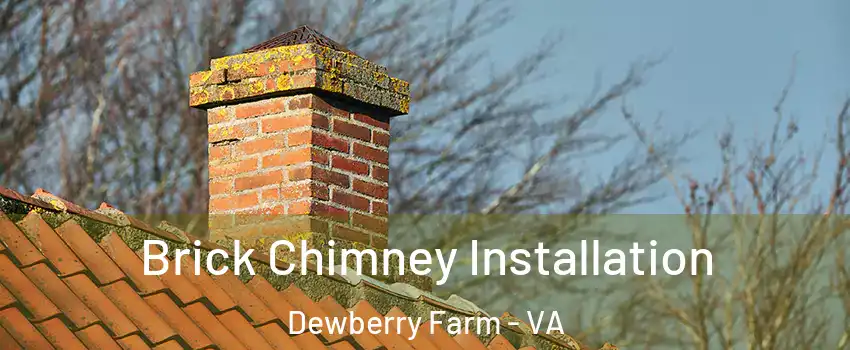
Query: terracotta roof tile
[
  {"x": 247, "y": 301},
  {"x": 95, "y": 337},
  {"x": 202, "y": 281},
  {"x": 113, "y": 318},
  {"x": 94, "y": 258},
  {"x": 133, "y": 342},
  {"x": 53, "y": 288},
  {"x": 178, "y": 320},
  {"x": 22, "y": 330},
  {"x": 243, "y": 330},
  {"x": 22, "y": 249},
  {"x": 392, "y": 341},
  {"x": 419, "y": 341},
  {"x": 469, "y": 341},
  {"x": 138, "y": 311},
  {"x": 499, "y": 342},
  {"x": 7, "y": 340},
  {"x": 59, "y": 335},
  {"x": 365, "y": 340},
  {"x": 32, "y": 299},
  {"x": 219, "y": 334},
  {"x": 131, "y": 265},
  {"x": 440, "y": 337},
  {"x": 53, "y": 248},
  {"x": 277, "y": 337},
  {"x": 80, "y": 285}
]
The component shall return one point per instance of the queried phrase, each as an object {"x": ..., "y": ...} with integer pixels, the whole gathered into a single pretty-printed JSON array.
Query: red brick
[
  {"x": 319, "y": 174},
  {"x": 259, "y": 180},
  {"x": 330, "y": 142},
  {"x": 221, "y": 187},
  {"x": 379, "y": 209},
  {"x": 329, "y": 212},
  {"x": 379, "y": 241},
  {"x": 230, "y": 169},
  {"x": 259, "y": 108},
  {"x": 232, "y": 132},
  {"x": 351, "y": 130},
  {"x": 371, "y": 121},
  {"x": 371, "y": 153},
  {"x": 218, "y": 115},
  {"x": 380, "y": 174},
  {"x": 370, "y": 223},
  {"x": 295, "y": 121},
  {"x": 276, "y": 142},
  {"x": 220, "y": 152},
  {"x": 370, "y": 189},
  {"x": 289, "y": 157},
  {"x": 349, "y": 165},
  {"x": 305, "y": 189},
  {"x": 381, "y": 139},
  {"x": 241, "y": 201},
  {"x": 348, "y": 234},
  {"x": 350, "y": 200}
]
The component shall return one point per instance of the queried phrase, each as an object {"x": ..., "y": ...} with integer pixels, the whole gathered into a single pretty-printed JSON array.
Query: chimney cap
[{"x": 297, "y": 36}]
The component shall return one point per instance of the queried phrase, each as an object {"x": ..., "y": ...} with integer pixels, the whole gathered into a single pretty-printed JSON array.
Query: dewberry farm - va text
[{"x": 589, "y": 260}]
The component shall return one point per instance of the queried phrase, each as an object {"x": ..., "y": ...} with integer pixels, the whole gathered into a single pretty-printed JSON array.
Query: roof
[
  {"x": 72, "y": 278},
  {"x": 300, "y": 35}
]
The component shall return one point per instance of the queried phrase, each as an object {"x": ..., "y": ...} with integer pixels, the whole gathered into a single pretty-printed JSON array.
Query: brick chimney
[{"x": 298, "y": 137}]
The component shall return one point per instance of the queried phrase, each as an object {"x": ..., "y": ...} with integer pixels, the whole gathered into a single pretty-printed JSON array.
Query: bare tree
[
  {"x": 94, "y": 107},
  {"x": 782, "y": 243}
]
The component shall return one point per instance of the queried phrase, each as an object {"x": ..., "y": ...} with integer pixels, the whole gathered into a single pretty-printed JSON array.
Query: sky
[{"x": 725, "y": 61}]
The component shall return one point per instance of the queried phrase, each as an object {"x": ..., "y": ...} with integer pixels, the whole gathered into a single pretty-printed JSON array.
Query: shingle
[
  {"x": 133, "y": 342},
  {"x": 243, "y": 330},
  {"x": 95, "y": 337},
  {"x": 499, "y": 342},
  {"x": 22, "y": 330},
  {"x": 32, "y": 299},
  {"x": 392, "y": 341},
  {"x": 266, "y": 293},
  {"x": 276, "y": 336},
  {"x": 219, "y": 334},
  {"x": 99, "y": 303},
  {"x": 59, "y": 335},
  {"x": 58, "y": 292},
  {"x": 469, "y": 341},
  {"x": 22, "y": 249},
  {"x": 94, "y": 258},
  {"x": 202, "y": 281},
  {"x": 247, "y": 301},
  {"x": 138, "y": 311},
  {"x": 7, "y": 340},
  {"x": 439, "y": 336},
  {"x": 419, "y": 341},
  {"x": 178, "y": 320},
  {"x": 130, "y": 264},
  {"x": 53, "y": 248},
  {"x": 364, "y": 339}
]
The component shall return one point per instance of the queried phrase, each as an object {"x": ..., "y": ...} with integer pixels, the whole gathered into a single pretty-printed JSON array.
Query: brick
[
  {"x": 242, "y": 201},
  {"x": 321, "y": 175},
  {"x": 220, "y": 152},
  {"x": 371, "y": 121},
  {"x": 350, "y": 200},
  {"x": 371, "y": 153},
  {"x": 349, "y": 165},
  {"x": 258, "y": 180},
  {"x": 370, "y": 223},
  {"x": 370, "y": 189},
  {"x": 380, "y": 138},
  {"x": 305, "y": 190},
  {"x": 380, "y": 174},
  {"x": 379, "y": 209},
  {"x": 379, "y": 241},
  {"x": 311, "y": 207},
  {"x": 232, "y": 132},
  {"x": 233, "y": 168},
  {"x": 288, "y": 157},
  {"x": 281, "y": 123},
  {"x": 349, "y": 234},
  {"x": 259, "y": 108},
  {"x": 330, "y": 142},
  {"x": 351, "y": 130},
  {"x": 268, "y": 144},
  {"x": 219, "y": 115},
  {"x": 220, "y": 187}
]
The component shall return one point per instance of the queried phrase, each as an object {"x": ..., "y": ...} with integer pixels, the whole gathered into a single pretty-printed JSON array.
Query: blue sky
[{"x": 726, "y": 60}]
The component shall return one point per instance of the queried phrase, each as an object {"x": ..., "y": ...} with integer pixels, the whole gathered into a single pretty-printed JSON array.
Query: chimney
[{"x": 298, "y": 137}]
